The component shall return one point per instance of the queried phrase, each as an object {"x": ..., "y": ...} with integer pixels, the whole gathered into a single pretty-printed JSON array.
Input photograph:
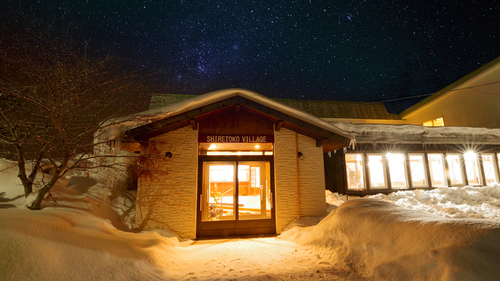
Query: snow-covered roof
[
  {"x": 416, "y": 134},
  {"x": 196, "y": 102},
  {"x": 318, "y": 108}
]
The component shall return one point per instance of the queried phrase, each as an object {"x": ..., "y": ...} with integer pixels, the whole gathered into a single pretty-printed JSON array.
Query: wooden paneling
[
  {"x": 230, "y": 121},
  {"x": 335, "y": 172}
]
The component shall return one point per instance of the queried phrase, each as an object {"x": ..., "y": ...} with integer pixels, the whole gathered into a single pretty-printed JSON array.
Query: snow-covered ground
[{"x": 83, "y": 233}]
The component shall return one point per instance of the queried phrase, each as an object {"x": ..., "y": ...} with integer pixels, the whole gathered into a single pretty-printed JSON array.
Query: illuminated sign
[{"x": 235, "y": 138}]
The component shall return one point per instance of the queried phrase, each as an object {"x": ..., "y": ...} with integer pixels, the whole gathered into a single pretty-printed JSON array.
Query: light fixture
[
  {"x": 257, "y": 146},
  {"x": 301, "y": 156},
  {"x": 470, "y": 155}
]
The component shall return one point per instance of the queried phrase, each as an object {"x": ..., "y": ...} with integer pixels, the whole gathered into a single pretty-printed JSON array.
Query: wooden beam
[
  {"x": 321, "y": 142},
  {"x": 279, "y": 124},
  {"x": 237, "y": 110},
  {"x": 303, "y": 124},
  {"x": 158, "y": 125},
  {"x": 153, "y": 129},
  {"x": 193, "y": 124}
]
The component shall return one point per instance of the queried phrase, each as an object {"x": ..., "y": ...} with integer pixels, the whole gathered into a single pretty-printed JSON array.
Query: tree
[{"x": 55, "y": 94}]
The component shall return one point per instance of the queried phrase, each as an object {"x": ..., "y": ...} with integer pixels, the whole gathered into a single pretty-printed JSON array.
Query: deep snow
[{"x": 443, "y": 234}]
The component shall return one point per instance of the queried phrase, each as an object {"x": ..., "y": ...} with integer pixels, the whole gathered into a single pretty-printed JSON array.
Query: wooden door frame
[{"x": 232, "y": 228}]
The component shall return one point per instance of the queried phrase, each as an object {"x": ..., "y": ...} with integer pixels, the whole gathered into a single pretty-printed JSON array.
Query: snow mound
[
  {"x": 68, "y": 244},
  {"x": 379, "y": 239},
  {"x": 475, "y": 202}
]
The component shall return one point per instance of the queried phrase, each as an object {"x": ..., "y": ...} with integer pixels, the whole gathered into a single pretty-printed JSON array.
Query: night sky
[{"x": 317, "y": 50}]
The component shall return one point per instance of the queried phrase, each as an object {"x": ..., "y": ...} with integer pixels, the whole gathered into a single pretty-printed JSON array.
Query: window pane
[
  {"x": 354, "y": 166},
  {"x": 455, "y": 169},
  {"x": 377, "y": 174},
  {"x": 427, "y": 123},
  {"x": 417, "y": 169},
  {"x": 489, "y": 168},
  {"x": 438, "y": 122},
  {"x": 472, "y": 168},
  {"x": 218, "y": 191},
  {"x": 436, "y": 167},
  {"x": 254, "y": 185},
  {"x": 397, "y": 170}
]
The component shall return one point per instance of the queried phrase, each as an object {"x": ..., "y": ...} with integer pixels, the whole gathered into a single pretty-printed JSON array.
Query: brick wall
[{"x": 167, "y": 199}]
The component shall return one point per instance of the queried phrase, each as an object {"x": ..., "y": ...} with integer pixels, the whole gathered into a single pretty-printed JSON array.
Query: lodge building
[
  {"x": 234, "y": 162},
  {"x": 230, "y": 162}
]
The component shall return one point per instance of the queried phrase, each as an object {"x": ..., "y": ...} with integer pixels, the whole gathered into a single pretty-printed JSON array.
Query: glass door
[
  {"x": 254, "y": 190},
  {"x": 235, "y": 197},
  {"x": 218, "y": 191}
]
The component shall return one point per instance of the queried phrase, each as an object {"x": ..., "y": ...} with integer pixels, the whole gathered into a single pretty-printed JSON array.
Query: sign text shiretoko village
[{"x": 235, "y": 138}]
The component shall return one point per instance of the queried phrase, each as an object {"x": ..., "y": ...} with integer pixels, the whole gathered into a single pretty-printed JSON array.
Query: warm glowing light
[
  {"x": 212, "y": 146},
  {"x": 395, "y": 157},
  {"x": 257, "y": 146},
  {"x": 470, "y": 155}
]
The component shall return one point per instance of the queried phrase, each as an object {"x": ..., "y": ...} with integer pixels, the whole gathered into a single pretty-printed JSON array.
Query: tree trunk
[
  {"x": 42, "y": 192},
  {"x": 21, "y": 166}
]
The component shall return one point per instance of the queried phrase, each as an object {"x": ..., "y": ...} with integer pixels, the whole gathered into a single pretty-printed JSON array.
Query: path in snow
[{"x": 254, "y": 259}]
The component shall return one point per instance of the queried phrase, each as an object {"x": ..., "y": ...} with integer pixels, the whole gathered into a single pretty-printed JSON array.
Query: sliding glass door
[{"x": 235, "y": 196}]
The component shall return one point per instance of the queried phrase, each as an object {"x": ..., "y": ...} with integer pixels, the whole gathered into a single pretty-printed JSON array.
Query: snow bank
[
  {"x": 474, "y": 202},
  {"x": 67, "y": 244},
  {"x": 78, "y": 236},
  {"x": 375, "y": 238}
]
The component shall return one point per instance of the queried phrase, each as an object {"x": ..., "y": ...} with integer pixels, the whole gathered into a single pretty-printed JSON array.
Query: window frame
[
  {"x": 461, "y": 169},
  {"x": 425, "y": 170},
  {"x": 496, "y": 174},
  {"x": 363, "y": 172},
  {"x": 385, "y": 172}
]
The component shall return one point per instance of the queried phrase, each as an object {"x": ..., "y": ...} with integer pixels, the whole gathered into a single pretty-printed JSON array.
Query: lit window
[
  {"x": 397, "y": 170},
  {"x": 377, "y": 172},
  {"x": 455, "y": 169},
  {"x": 427, "y": 123},
  {"x": 436, "y": 167},
  {"x": 417, "y": 168},
  {"x": 472, "y": 168},
  {"x": 489, "y": 168},
  {"x": 354, "y": 166},
  {"x": 438, "y": 122}
]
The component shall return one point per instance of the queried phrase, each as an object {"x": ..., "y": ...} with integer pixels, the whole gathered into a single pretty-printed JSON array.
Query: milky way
[{"x": 334, "y": 50}]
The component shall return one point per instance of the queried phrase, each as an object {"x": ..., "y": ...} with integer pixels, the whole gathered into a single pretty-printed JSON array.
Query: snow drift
[{"x": 379, "y": 239}]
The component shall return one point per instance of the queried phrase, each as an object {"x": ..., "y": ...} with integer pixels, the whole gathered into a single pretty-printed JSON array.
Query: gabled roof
[
  {"x": 160, "y": 120},
  {"x": 486, "y": 79},
  {"x": 318, "y": 108}
]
